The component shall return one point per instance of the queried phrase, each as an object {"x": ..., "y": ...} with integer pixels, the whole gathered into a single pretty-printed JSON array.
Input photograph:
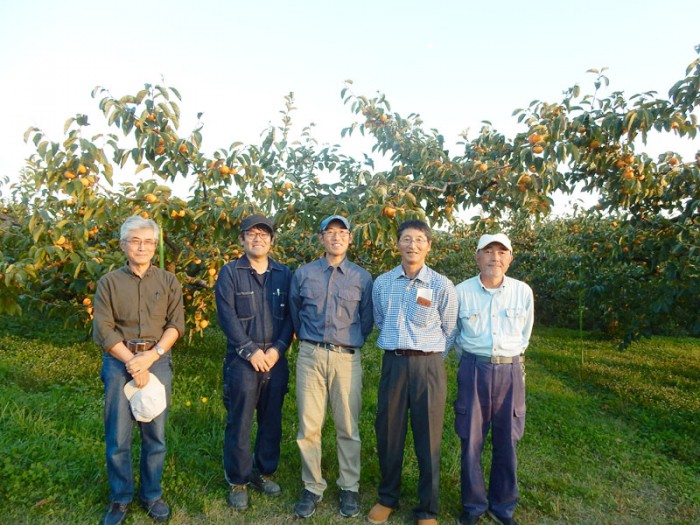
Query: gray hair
[{"x": 136, "y": 222}]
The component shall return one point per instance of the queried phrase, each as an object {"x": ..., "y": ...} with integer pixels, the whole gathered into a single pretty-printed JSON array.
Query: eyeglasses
[
  {"x": 341, "y": 234},
  {"x": 263, "y": 236},
  {"x": 407, "y": 241},
  {"x": 146, "y": 243}
]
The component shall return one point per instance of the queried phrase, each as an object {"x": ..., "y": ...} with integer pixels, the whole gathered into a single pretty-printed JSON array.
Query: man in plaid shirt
[{"x": 415, "y": 309}]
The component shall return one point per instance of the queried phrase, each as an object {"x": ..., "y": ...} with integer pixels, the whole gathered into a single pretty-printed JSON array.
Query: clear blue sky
[{"x": 454, "y": 62}]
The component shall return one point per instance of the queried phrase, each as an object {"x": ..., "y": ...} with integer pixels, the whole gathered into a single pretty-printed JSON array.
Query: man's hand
[
  {"x": 141, "y": 379},
  {"x": 271, "y": 357},
  {"x": 140, "y": 363},
  {"x": 259, "y": 361}
]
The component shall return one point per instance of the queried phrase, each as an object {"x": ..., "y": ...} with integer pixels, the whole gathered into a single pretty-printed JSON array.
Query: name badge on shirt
[{"x": 424, "y": 296}]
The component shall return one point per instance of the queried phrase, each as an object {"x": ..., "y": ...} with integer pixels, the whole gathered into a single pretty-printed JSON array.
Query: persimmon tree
[{"x": 59, "y": 228}]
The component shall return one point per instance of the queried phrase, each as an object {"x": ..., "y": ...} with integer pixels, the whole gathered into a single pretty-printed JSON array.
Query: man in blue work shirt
[
  {"x": 253, "y": 312},
  {"x": 415, "y": 309},
  {"x": 496, "y": 314},
  {"x": 331, "y": 305}
]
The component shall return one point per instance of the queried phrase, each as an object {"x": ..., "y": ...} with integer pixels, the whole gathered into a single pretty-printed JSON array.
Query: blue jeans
[
  {"x": 119, "y": 430},
  {"x": 244, "y": 392}
]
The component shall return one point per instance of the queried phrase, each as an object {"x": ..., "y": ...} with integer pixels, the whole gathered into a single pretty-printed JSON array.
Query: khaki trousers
[{"x": 324, "y": 376}]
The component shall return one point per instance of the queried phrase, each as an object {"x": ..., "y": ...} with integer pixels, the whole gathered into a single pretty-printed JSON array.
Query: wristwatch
[{"x": 159, "y": 350}]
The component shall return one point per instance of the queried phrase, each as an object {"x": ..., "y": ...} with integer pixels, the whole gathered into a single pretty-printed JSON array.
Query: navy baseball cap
[{"x": 257, "y": 220}]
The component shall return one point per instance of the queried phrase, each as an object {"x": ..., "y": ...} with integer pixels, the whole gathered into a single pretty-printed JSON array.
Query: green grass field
[{"x": 611, "y": 437}]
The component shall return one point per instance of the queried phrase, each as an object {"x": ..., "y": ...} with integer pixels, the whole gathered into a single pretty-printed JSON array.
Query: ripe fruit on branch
[
  {"x": 388, "y": 211},
  {"x": 535, "y": 138}
]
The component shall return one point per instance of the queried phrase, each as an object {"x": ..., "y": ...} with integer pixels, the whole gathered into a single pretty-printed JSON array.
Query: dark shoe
[
  {"x": 265, "y": 485},
  {"x": 306, "y": 506},
  {"x": 238, "y": 497},
  {"x": 502, "y": 521},
  {"x": 116, "y": 513},
  {"x": 349, "y": 503},
  {"x": 469, "y": 519},
  {"x": 157, "y": 510}
]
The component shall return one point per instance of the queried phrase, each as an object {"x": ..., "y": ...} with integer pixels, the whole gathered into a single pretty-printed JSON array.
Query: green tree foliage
[{"x": 629, "y": 265}]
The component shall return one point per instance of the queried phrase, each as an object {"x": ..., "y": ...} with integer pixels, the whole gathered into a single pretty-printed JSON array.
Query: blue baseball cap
[{"x": 328, "y": 220}]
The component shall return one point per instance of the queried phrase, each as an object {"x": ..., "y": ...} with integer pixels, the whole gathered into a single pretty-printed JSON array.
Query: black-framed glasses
[{"x": 263, "y": 236}]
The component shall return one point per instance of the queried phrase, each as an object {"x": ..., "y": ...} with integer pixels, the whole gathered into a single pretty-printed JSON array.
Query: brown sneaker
[
  {"x": 427, "y": 521},
  {"x": 379, "y": 514}
]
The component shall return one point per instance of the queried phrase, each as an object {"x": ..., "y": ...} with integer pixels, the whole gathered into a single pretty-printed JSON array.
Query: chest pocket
[
  {"x": 514, "y": 321},
  {"x": 418, "y": 314},
  {"x": 279, "y": 304},
  {"x": 348, "y": 304},
  {"x": 245, "y": 305},
  {"x": 472, "y": 322},
  {"x": 156, "y": 306}
]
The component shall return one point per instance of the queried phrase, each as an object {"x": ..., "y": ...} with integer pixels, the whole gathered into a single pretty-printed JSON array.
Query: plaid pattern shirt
[{"x": 415, "y": 314}]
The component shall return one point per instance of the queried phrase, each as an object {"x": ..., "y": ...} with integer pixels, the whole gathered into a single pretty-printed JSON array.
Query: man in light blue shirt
[{"x": 496, "y": 314}]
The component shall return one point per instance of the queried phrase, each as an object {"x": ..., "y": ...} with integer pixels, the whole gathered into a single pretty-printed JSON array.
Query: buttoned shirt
[
  {"x": 415, "y": 314},
  {"x": 494, "y": 322},
  {"x": 332, "y": 304},
  {"x": 131, "y": 307},
  {"x": 253, "y": 312}
]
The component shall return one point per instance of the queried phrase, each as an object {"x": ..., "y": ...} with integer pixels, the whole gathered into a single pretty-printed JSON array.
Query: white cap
[
  {"x": 148, "y": 402},
  {"x": 487, "y": 239}
]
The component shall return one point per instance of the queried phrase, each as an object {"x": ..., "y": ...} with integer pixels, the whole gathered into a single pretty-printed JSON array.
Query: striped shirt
[{"x": 414, "y": 314}]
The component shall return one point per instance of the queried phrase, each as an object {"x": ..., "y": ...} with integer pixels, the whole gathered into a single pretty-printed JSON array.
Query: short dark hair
[{"x": 415, "y": 224}]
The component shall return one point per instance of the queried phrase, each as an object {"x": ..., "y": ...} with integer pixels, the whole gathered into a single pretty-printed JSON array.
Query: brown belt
[
  {"x": 140, "y": 345},
  {"x": 409, "y": 353}
]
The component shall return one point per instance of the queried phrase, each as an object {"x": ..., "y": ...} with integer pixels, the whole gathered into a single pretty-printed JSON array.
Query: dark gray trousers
[{"x": 415, "y": 384}]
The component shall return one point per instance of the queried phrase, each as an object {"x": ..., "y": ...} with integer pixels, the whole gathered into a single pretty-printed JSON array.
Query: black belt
[
  {"x": 140, "y": 345},
  {"x": 334, "y": 348},
  {"x": 497, "y": 359},
  {"x": 408, "y": 353}
]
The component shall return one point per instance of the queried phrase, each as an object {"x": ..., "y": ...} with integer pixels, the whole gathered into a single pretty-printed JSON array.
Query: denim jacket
[{"x": 242, "y": 313}]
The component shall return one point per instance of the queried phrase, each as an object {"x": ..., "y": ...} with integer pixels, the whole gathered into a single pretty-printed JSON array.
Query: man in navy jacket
[{"x": 252, "y": 308}]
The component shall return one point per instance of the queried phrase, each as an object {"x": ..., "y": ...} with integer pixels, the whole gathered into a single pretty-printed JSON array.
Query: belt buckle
[{"x": 138, "y": 345}]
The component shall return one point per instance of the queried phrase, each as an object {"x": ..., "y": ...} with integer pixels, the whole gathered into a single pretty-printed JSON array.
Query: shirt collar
[
  {"x": 423, "y": 274},
  {"x": 128, "y": 270},
  {"x": 484, "y": 289},
  {"x": 244, "y": 263},
  {"x": 343, "y": 266}
]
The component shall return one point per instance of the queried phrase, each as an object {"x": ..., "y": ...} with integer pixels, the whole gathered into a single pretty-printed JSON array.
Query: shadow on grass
[{"x": 651, "y": 386}]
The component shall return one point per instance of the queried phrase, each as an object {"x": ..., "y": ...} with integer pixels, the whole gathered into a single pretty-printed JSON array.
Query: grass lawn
[{"x": 611, "y": 437}]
